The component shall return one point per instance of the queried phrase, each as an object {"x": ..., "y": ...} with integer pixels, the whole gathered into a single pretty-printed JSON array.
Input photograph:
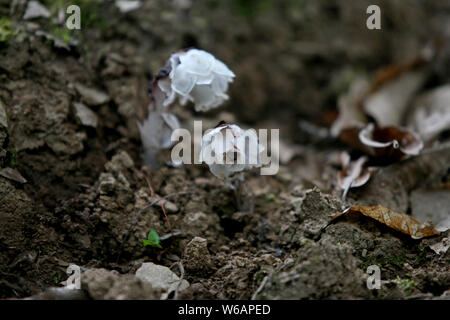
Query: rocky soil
[{"x": 68, "y": 112}]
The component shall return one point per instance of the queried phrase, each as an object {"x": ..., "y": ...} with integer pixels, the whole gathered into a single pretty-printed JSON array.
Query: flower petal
[
  {"x": 219, "y": 86},
  {"x": 208, "y": 79},
  {"x": 220, "y": 171},
  {"x": 183, "y": 81},
  {"x": 250, "y": 150},
  {"x": 220, "y": 68},
  {"x": 197, "y": 62},
  {"x": 203, "y": 97}
]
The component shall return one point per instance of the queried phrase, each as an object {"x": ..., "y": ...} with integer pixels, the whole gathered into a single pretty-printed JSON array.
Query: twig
[
  {"x": 419, "y": 296},
  {"x": 153, "y": 194},
  {"x": 169, "y": 235},
  {"x": 267, "y": 278},
  {"x": 261, "y": 286},
  {"x": 181, "y": 268},
  {"x": 237, "y": 184},
  {"x": 237, "y": 198}
]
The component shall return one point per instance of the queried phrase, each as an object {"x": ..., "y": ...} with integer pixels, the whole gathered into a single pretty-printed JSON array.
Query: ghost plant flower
[
  {"x": 229, "y": 150},
  {"x": 192, "y": 75},
  {"x": 156, "y": 131},
  {"x": 197, "y": 76}
]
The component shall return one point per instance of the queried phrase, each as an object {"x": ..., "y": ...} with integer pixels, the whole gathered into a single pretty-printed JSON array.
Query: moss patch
[{"x": 6, "y": 30}]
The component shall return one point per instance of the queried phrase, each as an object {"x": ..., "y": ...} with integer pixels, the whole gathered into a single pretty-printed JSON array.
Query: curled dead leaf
[
  {"x": 12, "y": 174},
  {"x": 431, "y": 113},
  {"x": 389, "y": 103},
  {"x": 394, "y": 220},
  {"x": 351, "y": 114},
  {"x": 390, "y": 142},
  {"x": 394, "y": 86},
  {"x": 386, "y": 98},
  {"x": 354, "y": 174},
  {"x": 391, "y": 72}
]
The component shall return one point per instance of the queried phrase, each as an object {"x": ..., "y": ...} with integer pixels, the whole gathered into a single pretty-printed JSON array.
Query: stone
[
  {"x": 161, "y": 277},
  {"x": 196, "y": 257},
  {"x": 169, "y": 206},
  {"x": 87, "y": 116},
  {"x": 36, "y": 10},
  {"x": 102, "y": 284},
  {"x": 92, "y": 97}
]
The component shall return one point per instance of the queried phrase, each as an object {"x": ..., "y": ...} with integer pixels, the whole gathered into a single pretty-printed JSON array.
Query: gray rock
[
  {"x": 161, "y": 277},
  {"x": 127, "y": 6},
  {"x": 87, "y": 116},
  {"x": 36, "y": 10},
  {"x": 103, "y": 284},
  {"x": 92, "y": 97},
  {"x": 169, "y": 206}
]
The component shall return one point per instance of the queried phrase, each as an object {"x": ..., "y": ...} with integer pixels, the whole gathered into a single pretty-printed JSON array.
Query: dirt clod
[{"x": 196, "y": 257}]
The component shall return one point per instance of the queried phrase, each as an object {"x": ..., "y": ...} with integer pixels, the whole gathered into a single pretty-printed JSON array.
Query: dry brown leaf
[
  {"x": 350, "y": 137},
  {"x": 394, "y": 220},
  {"x": 391, "y": 72}
]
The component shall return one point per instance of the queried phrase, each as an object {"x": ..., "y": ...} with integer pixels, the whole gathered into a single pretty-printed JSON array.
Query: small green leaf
[
  {"x": 153, "y": 236},
  {"x": 152, "y": 240}
]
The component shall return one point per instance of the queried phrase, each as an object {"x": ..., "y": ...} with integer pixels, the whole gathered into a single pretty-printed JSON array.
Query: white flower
[
  {"x": 196, "y": 76},
  {"x": 227, "y": 149}
]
